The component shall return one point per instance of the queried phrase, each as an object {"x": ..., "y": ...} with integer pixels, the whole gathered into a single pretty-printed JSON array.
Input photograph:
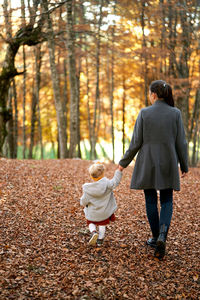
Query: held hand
[
  {"x": 183, "y": 175},
  {"x": 120, "y": 168}
]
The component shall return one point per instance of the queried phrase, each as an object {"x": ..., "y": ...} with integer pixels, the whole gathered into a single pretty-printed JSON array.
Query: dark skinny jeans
[{"x": 166, "y": 202}]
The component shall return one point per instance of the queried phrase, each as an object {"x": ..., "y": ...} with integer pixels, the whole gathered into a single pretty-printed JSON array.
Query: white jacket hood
[{"x": 96, "y": 189}]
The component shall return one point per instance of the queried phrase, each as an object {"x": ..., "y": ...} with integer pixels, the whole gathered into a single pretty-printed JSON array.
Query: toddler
[{"x": 99, "y": 201}]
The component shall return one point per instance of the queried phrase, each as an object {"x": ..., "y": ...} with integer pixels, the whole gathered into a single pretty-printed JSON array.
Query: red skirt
[{"x": 112, "y": 218}]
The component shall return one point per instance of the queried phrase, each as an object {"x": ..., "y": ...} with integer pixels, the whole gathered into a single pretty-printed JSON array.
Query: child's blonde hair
[{"x": 96, "y": 170}]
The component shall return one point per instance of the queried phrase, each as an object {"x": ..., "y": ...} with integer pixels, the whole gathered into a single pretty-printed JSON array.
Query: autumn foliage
[
  {"x": 86, "y": 67},
  {"x": 43, "y": 238}
]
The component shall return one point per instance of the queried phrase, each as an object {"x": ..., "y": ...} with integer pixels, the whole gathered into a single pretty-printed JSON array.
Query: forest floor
[{"x": 43, "y": 238}]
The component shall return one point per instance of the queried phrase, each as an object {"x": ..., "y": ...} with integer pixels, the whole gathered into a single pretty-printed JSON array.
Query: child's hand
[{"x": 120, "y": 168}]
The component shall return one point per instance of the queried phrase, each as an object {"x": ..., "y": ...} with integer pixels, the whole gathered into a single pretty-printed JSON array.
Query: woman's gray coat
[{"x": 160, "y": 139}]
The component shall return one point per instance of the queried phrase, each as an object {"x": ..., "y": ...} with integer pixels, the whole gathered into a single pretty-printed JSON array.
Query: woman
[{"x": 160, "y": 139}]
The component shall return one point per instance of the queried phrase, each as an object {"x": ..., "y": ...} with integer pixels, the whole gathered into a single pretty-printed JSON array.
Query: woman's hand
[{"x": 183, "y": 175}]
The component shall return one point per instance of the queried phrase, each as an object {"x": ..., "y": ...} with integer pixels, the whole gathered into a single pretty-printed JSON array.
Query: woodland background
[{"x": 74, "y": 74}]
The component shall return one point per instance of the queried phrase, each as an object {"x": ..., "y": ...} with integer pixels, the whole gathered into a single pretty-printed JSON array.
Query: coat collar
[{"x": 159, "y": 101}]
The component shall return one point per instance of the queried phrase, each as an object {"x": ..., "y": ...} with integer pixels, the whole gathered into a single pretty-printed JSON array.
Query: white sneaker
[{"x": 93, "y": 239}]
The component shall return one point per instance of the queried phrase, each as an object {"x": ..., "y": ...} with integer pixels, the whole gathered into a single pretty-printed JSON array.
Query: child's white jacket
[{"x": 98, "y": 198}]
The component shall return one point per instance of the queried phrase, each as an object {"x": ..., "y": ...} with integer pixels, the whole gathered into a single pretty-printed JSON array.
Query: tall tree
[
  {"x": 23, "y": 23},
  {"x": 35, "y": 108},
  {"x": 15, "y": 133},
  {"x": 24, "y": 103},
  {"x": 72, "y": 79},
  {"x": 123, "y": 113},
  {"x": 179, "y": 54},
  {"x": 65, "y": 96},
  {"x": 97, "y": 105},
  {"x": 33, "y": 120},
  {"x": 9, "y": 144},
  {"x": 195, "y": 128},
  {"x": 144, "y": 53},
  {"x": 38, "y": 63},
  {"x": 78, "y": 74},
  {"x": 10, "y": 128},
  {"x": 86, "y": 49},
  {"x": 28, "y": 35},
  {"x": 78, "y": 107},
  {"x": 111, "y": 85},
  {"x": 57, "y": 98}
]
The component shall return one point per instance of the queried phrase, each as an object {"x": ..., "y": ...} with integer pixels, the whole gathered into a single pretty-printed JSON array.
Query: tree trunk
[
  {"x": 183, "y": 69},
  {"x": 111, "y": 87},
  {"x": 78, "y": 108},
  {"x": 58, "y": 148},
  {"x": 33, "y": 120},
  {"x": 5, "y": 114},
  {"x": 163, "y": 69},
  {"x": 8, "y": 147},
  {"x": 88, "y": 103},
  {"x": 110, "y": 80},
  {"x": 172, "y": 15},
  {"x": 179, "y": 67},
  {"x": 10, "y": 128},
  {"x": 23, "y": 23},
  {"x": 194, "y": 129},
  {"x": 76, "y": 14},
  {"x": 123, "y": 114},
  {"x": 35, "y": 111},
  {"x": 65, "y": 99},
  {"x": 195, "y": 143},
  {"x": 27, "y": 35},
  {"x": 144, "y": 55},
  {"x": 111, "y": 100},
  {"x": 97, "y": 97},
  {"x": 58, "y": 104},
  {"x": 72, "y": 79},
  {"x": 198, "y": 143},
  {"x": 83, "y": 20},
  {"x": 38, "y": 62},
  {"x": 15, "y": 118},
  {"x": 24, "y": 104},
  {"x": 7, "y": 17}
]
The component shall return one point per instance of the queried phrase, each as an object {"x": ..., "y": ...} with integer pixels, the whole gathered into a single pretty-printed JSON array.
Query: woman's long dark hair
[{"x": 163, "y": 91}]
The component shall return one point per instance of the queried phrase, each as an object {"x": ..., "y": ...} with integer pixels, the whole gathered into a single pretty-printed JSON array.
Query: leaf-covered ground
[{"x": 43, "y": 238}]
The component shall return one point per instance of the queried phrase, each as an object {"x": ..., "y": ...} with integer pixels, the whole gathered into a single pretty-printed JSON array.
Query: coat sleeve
[
  {"x": 114, "y": 182},
  {"x": 84, "y": 199},
  {"x": 181, "y": 145},
  {"x": 136, "y": 142}
]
